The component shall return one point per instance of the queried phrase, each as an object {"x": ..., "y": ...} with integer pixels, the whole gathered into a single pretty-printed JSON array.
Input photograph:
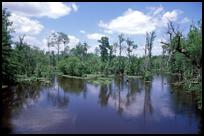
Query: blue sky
[{"x": 88, "y": 21}]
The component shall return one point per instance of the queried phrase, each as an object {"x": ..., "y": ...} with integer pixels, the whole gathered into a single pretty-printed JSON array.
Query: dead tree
[{"x": 173, "y": 47}]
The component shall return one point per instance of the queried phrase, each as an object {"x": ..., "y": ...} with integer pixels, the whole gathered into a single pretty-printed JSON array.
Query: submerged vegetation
[{"x": 182, "y": 56}]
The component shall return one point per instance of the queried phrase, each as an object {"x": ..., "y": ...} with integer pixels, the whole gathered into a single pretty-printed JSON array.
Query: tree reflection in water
[
  {"x": 6, "y": 110},
  {"x": 58, "y": 94},
  {"x": 120, "y": 84},
  {"x": 75, "y": 86},
  {"x": 123, "y": 94},
  {"x": 15, "y": 99},
  {"x": 57, "y": 97},
  {"x": 133, "y": 87},
  {"x": 24, "y": 95},
  {"x": 147, "y": 100},
  {"x": 143, "y": 103},
  {"x": 105, "y": 92}
]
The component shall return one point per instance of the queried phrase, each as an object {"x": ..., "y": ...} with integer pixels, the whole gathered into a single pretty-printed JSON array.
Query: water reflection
[
  {"x": 105, "y": 93},
  {"x": 6, "y": 109},
  {"x": 16, "y": 99},
  {"x": 57, "y": 99},
  {"x": 56, "y": 96},
  {"x": 75, "y": 86},
  {"x": 75, "y": 106},
  {"x": 148, "y": 109}
]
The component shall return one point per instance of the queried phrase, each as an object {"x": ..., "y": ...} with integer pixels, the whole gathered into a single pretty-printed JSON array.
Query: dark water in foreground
[{"x": 76, "y": 106}]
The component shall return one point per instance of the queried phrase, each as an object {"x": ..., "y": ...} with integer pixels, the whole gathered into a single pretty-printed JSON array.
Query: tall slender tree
[
  {"x": 7, "y": 72},
  {"x": 56, "y": 39},
  {"x": 148, "y": 47},
  {"x": 104, "y": 46},
  {"x": 121, "y": 40}
]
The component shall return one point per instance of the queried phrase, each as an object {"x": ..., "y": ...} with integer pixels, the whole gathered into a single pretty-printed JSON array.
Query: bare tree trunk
[{"x": 58, "y": 48}]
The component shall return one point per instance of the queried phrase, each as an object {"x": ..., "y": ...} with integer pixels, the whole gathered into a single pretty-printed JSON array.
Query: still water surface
[{"x": 77, "y": 106}]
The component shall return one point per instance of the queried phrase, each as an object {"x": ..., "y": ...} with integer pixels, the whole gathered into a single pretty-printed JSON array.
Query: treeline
[
  {"x": 20, "y": 62},
  {"x": 181, "y": 56},
  {"x": 78, "y": 62}
]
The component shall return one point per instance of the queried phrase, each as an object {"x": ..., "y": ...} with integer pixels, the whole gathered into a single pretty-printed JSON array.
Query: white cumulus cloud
[
  {"x": 52, "y": 10},
  {"x": 25, "y": 25},
  {"x": 73, "y": 41},
  {"x": 95, "y": 36},
  {"x": 136, "y": 22},
  {"x": 33, "y": 41},
  {"x": 170, "y": 16},
  {"x": 131, "y": 22}
]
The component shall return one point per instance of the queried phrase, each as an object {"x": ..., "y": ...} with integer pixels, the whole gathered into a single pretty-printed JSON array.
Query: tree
[
  {"x": 7, "y": 68},
  {"x": 120, "y": 46},
  {"x": 185, "y": 57},
  {"x": 56, "y": 39},
  {"x": 104, "y": 50},
  {"x": 130, "y": 48},
  {"x": 121, "y": 40},
  {"x": 65, "y": 40},
  {"x": 190, "y": 47},
  {"x": 24, "y": 56},
  {"x": 66, "y": 51},
  {"x": 193, "y": 46},
  {"x": 85, "y": 49},
  {"x": 49, "y": 44},
  {"x": 104, "y": 46},
  {"x": 97, "y": 51},
  {"x": 53, "y": 60},
  {"x": 80, "y": 50},
  {"x": 71, "y": 66},
  {"x": 110, "y": 53},
  {"x": 148, "y": 47}
]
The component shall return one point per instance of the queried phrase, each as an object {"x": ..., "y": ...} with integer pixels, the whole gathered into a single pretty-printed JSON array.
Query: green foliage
[
  {"x": 148, "y": 47},
  {"x": 147, "y": 75},
  {"x": 8, "y": 74},
  {"x": 94, "y": 60},
  {"x": 104, "y": 46},
  {"x": 57, "y": 38},
  {"x": 130, "y": 47},
  {"x": 186, "y": 58},
  {"x": 21, "y": 62},
  {"x": 133, "y": 66},
  {"x": 121, "y": 47},
  {"x": 177, "y": 63},
  {"x": 31, "y": 61},
  {"x": 193, "y": 44},
  {"x": 80, "y": 50},
  {"x": 101, "y": 80},
  {"x": 71, "y": 66},
  {"x": 130, "y": 66}
]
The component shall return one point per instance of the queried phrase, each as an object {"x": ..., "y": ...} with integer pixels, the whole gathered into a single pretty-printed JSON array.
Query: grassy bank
[
  {"x": 101, "y": 80},
  {"x": 74, "y": 77},
  {"x": 93, "y": 78},
  {"x": 133, "y": 77},
  {"x": 25, "y": 79}
]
